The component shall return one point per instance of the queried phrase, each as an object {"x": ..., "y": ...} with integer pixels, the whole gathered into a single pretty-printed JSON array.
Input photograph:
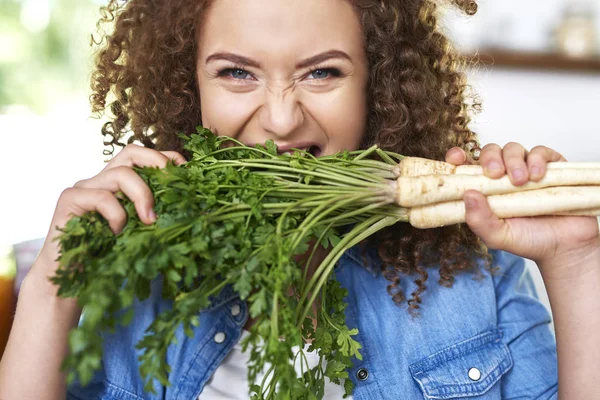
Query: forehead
[{"x": 298, "y": 28}]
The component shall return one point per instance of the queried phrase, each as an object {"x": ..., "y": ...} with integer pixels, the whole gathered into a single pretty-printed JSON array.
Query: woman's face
[{"x": 294, "y": 71}]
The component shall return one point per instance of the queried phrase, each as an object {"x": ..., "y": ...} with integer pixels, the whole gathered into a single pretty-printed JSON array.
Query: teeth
[{"x": 311, "y": 150}]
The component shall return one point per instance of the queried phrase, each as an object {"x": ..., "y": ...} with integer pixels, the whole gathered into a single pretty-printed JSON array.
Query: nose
[{"x": 281, "y": 113}]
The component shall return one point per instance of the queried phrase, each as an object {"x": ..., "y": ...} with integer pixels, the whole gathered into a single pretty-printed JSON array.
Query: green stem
[
  {"x": 386, "y": 157},
  {"x": 272, "y": 386},
  {"x": 349, "y": 172},
  {"x": 264, "y": 380},
  {"x": 366, "y": 153},
  {"x": 274, "y": 316},
  {"x": 297, "y": 179},
  {"x": 317, "y": 214},
  {"x": 357, "y": 211},
  {"x": 312, "y": 254},
  {"x": 355, "y": 236},
  {"x": 263, "y": 164},
  {"x": 319, "y": 201}
]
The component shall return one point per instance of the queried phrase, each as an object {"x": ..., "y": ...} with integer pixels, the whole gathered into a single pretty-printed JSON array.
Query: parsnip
[
  {"x": 591, "y": 212},
  {"x": 547, "y": 201},
  {"x": 415, "y": 166},
  {"x": 414, "y": 191}
]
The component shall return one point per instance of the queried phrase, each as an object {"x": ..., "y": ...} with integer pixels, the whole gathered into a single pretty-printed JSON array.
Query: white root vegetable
[
  {"x": 592, "y": 212},
  {"x": 412, "y": 191},
  {"x": 582, "y": 200},
  {"x": 415, "y": 166}
]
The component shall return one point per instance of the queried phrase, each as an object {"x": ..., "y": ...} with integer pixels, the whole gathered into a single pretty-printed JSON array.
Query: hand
[
  {"x": 98, "y": 194},
  {"x": 541, "y": 239}
]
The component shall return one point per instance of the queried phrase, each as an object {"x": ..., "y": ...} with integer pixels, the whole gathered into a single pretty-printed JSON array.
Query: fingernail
[
  {"x": 536, "y": 171},
  {"x": 456, "y": 153},
  {"x": 152, "y": 216},
  {"x": 518, "y": 174},
  {"x": 493, "y": 166}
]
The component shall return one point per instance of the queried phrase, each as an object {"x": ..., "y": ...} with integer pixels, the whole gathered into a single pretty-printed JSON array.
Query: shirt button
[
  {"x": 219, "y": 337},
  {"x": 474, "y": 374},
  {"x": 362, "y": 374},
  {"x": 236, "y": 310}
]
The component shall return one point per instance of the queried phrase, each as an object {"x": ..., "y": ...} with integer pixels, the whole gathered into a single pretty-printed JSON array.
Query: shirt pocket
[{"x": 466, "y": 369}]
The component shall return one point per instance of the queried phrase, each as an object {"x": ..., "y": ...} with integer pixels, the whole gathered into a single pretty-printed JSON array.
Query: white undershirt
[{"x": 230, "y": 380}]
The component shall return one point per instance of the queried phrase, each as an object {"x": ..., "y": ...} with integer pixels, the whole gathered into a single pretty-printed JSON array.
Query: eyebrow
[
  {"x": 248, "y": 62},
  {"x": 322, "y": 57},
  {"x": 234, "y": 58}
]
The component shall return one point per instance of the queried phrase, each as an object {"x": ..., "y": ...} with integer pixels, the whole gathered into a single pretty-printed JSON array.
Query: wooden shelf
[{"x": 535, "y": 61}]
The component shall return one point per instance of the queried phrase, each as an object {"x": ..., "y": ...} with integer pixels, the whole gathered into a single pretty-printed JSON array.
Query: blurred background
[
  {"x": 48, "y": 139},
  {"x": 537, "y": 70}
]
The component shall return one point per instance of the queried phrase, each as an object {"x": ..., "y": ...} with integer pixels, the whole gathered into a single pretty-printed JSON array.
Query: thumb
[{"x": 492, "y": 230}]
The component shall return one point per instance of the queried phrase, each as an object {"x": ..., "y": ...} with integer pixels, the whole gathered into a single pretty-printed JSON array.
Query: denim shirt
[{"x": 481, "y": 339}]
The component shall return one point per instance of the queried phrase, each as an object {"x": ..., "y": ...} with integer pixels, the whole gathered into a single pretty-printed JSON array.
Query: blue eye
[
  {"x": 235, "y": 73},
  {"x": 324, "y": 73}
]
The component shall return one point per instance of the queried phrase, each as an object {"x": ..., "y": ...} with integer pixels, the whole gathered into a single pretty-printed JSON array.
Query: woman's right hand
[
  {"x": 98, "y": 194},
  {"x": 38, "y": 306}
]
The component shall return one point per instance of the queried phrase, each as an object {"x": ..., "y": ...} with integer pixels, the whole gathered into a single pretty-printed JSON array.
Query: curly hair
[{"x": 417, "y": 96}]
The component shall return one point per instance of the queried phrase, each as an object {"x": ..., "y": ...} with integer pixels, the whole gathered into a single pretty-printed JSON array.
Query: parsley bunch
[{"x": 239, "y": 216}]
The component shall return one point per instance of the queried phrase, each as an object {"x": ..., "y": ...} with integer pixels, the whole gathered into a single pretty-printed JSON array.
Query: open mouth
[{"x": 314, "y": 150}]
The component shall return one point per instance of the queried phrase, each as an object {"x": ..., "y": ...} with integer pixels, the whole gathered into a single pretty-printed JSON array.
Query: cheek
[
  {"x": 343, "y": 119},
  {"x": 223, "y": 112}
]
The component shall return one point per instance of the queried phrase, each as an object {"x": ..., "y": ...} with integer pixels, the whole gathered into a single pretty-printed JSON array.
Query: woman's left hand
[{"x": 541, "y": 239}]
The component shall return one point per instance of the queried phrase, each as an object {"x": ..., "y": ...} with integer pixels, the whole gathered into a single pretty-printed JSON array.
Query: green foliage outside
[{"x": 42, "y": 64}]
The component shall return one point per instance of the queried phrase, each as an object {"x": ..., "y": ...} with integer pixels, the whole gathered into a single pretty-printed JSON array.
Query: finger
[
  {"x": 537, "y": 159},
  {"x": 456, "y": 156},
  {"x": 177, "y": 158},
  {"x": 78, "y": 201},
  {"x": 124, "y": 179},
  {"x": 491, "y": 160},
  {"x": 138, "y": 156},
  {"x": 492, "y": 230},
  {"x": 514, "y": 156}
]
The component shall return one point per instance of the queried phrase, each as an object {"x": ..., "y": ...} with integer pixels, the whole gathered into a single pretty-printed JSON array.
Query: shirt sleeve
[{"x": 525, "y": 325}]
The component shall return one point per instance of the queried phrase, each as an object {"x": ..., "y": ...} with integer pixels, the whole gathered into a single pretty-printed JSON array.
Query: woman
[{"x": 326, "y": 76}]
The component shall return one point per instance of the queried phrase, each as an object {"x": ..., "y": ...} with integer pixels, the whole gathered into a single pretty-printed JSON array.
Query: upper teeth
[{"x": 290, "y": 152}]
